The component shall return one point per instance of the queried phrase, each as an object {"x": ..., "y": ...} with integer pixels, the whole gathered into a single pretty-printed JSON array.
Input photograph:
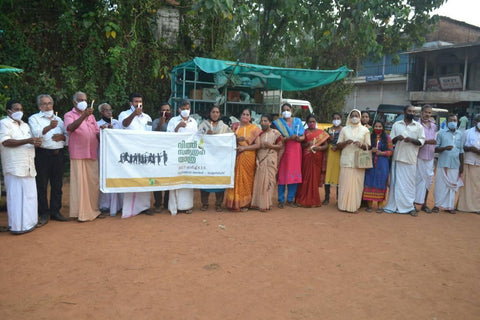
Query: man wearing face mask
[
  {"x": 468, "y": 196},
  {"x": 449, "y": 166},
  {"x": 109, "y": 202},
  {"x": 135, "y": 119},
  {"x": 18, "y": 153},
  {"x": 181, "y": 199},
  {"x": 161, "y": 124},
  {"x": 83, "y": 135},
  {"x": 49, "y": 160},
  {"x": 408, "y": 136},
  {"x": 425, "y": 161}
]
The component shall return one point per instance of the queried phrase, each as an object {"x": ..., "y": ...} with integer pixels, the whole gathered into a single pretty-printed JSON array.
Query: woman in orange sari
[
  {"x": 239, "y": 198},
  {"x": 314, "y": 146}
]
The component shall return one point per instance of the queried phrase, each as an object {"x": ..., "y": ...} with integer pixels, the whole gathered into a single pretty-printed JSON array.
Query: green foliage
[{"x": 107, "y": 48}]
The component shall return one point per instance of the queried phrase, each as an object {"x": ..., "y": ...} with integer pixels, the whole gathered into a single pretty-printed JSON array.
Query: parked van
[{"x": 389, "y": 114}]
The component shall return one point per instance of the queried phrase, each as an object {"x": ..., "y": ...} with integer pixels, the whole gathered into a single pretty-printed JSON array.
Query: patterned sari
[
  {"x": 241, "y": 194},
  {"x": 376, "y": 177},
  {"x": 307, "y": 193},
  {"x": 265, "y": 176}
]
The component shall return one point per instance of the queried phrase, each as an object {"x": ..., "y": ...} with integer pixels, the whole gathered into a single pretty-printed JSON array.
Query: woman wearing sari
[
  {"x": 333, "y": 156},
  {"x": 353, "y": 137},
  {"x": 213, "y": 125},
  {"x": 239, "y": 198},
  {"x": 376, "y": 177},
  {"x": 267, "y": 155},
  {"x": 290, "y": 168},
  {"x": 313, "y": 150}
]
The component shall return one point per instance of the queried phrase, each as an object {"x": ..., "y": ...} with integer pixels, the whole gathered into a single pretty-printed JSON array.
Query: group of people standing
[{"x": 281, "y": 156}]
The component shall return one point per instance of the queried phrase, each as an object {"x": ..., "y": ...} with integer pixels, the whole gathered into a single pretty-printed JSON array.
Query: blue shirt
[{"x": 449, "y": 158}]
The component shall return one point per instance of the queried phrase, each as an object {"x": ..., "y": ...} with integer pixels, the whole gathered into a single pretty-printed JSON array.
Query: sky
[{"x": 463, "y": 10}]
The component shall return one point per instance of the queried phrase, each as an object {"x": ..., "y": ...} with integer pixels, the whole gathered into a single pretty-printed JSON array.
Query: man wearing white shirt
[
  {"x": 109, "y": 202},
  {"x": 18, "y": 164},
  {"x": 181, "y": 199},
  {"x": 408, "y": 136},
  {"x": 468, "y": 196},
  {"x": 49, "y": 159},
  {"x": 134, "y": 119},
  {"x": 107, "y": 120}
]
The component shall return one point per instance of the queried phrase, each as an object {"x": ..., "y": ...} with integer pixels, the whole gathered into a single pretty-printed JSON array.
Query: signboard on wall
[{"x": 451, "y": 82}]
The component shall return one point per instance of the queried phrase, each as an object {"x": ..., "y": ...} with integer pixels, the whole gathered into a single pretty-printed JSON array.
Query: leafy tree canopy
[{"x": 107, "y": 48}]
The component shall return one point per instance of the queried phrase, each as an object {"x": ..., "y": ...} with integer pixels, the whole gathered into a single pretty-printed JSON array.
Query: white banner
[{"x": 138, "y": 161}]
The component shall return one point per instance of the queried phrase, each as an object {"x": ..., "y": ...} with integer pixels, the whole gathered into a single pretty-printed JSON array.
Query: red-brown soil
[{"x": 285, "y": 264}]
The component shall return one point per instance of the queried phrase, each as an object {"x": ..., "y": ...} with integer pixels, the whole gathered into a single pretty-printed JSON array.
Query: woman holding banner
[
  {"x": 314, "y": 147},
  {"x": 213, "y": 125},
  {"x": 290, "y": 169},
  {"x": 267, "y": 156},
  {"x": 239, "y": 198}
]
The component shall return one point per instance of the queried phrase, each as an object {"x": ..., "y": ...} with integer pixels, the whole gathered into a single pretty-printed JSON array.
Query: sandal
[
  {"x": 218, "y": 208},
  {"x": 379, "y": 210},
  {"x": 204, "y": 207},
  {"x": 435, "y": 209},
  {"x": 281, "y": 205},
  {"x": 189, "y": 211},
  {"x": 244, "y": 209},
  {"x": 426, "y": 209},
  {"x": 368, "y": 209}
]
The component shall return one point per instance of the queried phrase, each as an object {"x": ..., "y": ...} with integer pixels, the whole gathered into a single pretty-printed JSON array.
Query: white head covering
[{"x": 350, "y": 115}]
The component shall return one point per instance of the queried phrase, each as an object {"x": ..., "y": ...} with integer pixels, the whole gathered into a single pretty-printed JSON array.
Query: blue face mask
[{"x": 452, "y": 125}]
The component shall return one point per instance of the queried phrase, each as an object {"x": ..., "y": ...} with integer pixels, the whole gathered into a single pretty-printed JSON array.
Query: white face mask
[
  {"x": 18, "y": 115},
  {"x": 82, "y": 105},
  {"x": 336, "y": 122},
  {"x": 286, "y": 114},
  {"x": 478, "y": 125},
  {"x": 185, "y": 113},
  {"x": 47, "y": 114},
  {"x": 355, "y": 120}
]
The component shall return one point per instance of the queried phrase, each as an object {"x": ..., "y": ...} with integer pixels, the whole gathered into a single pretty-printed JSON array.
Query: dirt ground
[{"x": 285, "y": 264}]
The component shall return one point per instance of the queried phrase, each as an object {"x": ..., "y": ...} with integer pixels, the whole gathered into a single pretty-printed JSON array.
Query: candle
[
  {"x": 245, "y": 132},
  {"x": 265, "y": 136},
  {"x": 56, "y": 113},
  {"x": 91, "y": 106},
  {"x": 297, "y": 128}
]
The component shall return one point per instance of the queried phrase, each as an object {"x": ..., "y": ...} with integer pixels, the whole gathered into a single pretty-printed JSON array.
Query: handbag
[{"x": 363, "y": 159}]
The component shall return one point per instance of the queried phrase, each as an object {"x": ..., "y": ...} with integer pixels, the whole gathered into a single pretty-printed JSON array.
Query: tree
[{"x": 326, "y": 34}]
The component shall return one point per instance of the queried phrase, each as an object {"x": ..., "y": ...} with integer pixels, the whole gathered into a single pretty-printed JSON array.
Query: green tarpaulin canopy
[
  {"x": 5, "y": 69},
  {"x": 286, "y": 79}
]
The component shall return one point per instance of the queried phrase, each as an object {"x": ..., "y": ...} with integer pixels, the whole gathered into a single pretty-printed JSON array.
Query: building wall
[
  {"x": 453, "y": 31},
  {"x": 370, "y": 95}
]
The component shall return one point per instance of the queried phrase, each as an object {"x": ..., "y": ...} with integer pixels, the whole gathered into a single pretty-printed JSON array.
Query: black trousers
[
  {"x": 158, "y": 199},
  {"x": 49, "y": 165}
]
